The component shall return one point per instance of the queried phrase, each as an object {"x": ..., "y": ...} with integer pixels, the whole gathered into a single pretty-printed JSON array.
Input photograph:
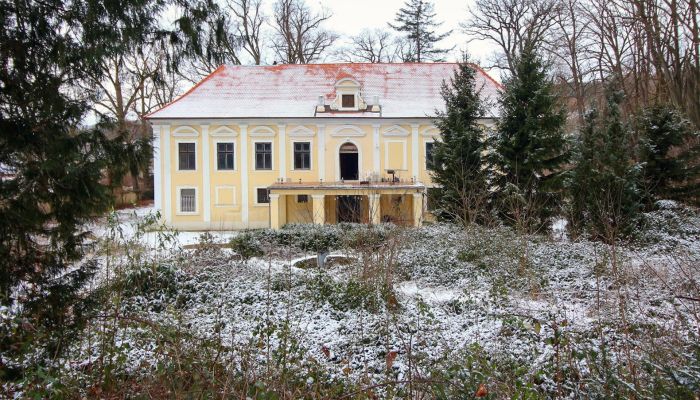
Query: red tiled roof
[{"x": 292, "y": 90}]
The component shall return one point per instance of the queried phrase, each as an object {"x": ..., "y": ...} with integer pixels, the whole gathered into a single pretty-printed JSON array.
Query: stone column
[
  {"x": 417, "y": 209},
  {"x": 375, "y": 211},
  {"x": 278, "y": 211},
  {"x": 319, "y": 208}
]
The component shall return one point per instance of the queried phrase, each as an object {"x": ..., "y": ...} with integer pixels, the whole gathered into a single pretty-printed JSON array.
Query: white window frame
[
  {"x": 311, "y": 154},
  {"x": 356, "y": 106},
  {"x": 217, "y": 203},
  {"x": 179, "y": 200},
  {"x": 425, "y": 152},
  {"x": 196, "y": 155},
  {"x": 272, "y": 155},
  {"x": 255, "y": 197},
  {"x": 216, "y": 155}
]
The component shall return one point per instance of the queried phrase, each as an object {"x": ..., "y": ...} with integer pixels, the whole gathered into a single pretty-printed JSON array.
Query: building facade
[{"x": 261, "y": 146}]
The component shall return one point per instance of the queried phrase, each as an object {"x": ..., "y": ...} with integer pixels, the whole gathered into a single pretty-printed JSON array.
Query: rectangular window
[
  {"x": 224, "y": 156},
  {"x": 429, "y": 155},
  {"x": 262, "y": 196},
  {"x": 303, "y": 198},
  {"x": 302, "y": 155},
  {"x": 348, "y": 101},
  {"x": 187, "y": 156},
  {"x": 188, "y": 201},
  {"x": 263, "y": 155}
]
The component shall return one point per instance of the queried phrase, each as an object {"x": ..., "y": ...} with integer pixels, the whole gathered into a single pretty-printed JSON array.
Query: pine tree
[
  {"x": 458, "y": 164},
  {"x": 670, "y": 155},
  {"x": 530, "y": 148},
  {"x": 603, "y": 185},
  {"x": 52, "y": 167},
  {"x": 417, "y": 19}
]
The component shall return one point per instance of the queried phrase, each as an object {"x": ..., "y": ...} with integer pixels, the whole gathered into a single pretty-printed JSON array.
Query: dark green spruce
[
  {"x": 530, "y": 148},
  {"x": 670, "y": 155},
  {"x": 458, "y": 162},
  {"x": 604, "y": 184},
  {"x": 417, "y": 20}
]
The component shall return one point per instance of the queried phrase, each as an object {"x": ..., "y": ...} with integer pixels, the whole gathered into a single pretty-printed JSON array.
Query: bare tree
[
  {"x": 250, "y": 20},
  {"x": 371, "y": 46},
  {"x": 299, "y": 35},
  {"x": 510, "y": 24}
]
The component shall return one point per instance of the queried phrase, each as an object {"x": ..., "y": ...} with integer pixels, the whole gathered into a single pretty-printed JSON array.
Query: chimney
[{"x": 321, "y": 106}]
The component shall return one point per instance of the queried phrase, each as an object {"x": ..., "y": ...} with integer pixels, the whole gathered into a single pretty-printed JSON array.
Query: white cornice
[
  {"x": 395, "y": 130},
  {"x": 223, "y": 131},
  {"x": 348, "y": 131},
  {"x": 301, "y": 131}
]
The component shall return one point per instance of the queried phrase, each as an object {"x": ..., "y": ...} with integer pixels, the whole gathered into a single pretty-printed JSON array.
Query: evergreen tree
[
  {"x": 458, "y": 164},
  {"x": 530, "y": 149},
  {"x": 417, "y": 19},
  {"x": 603, "y": 185},
  {"x": 670, "y": 153},
  {"x": 52, "y": 168}
]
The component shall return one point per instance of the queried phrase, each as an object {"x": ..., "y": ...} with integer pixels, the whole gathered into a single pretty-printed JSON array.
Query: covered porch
[{"x": 335, "y": 202}]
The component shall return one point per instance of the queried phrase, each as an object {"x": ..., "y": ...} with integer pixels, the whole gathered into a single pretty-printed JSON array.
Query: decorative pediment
[
  {"x": 224, "y": 131},
  {"x": 348, "y": 131},
  {"x": 301, "y": 131},
  {"x": 262, "y": 131},
  {"x": 430, "y": 131},
  {"x": 396, "y": 130},
  {"x": 185, "y": 131}
]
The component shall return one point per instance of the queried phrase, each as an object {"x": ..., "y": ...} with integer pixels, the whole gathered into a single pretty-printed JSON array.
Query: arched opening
[{"x": 349, "y": 160}]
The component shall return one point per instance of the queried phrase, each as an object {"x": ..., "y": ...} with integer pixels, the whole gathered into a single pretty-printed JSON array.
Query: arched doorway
[{"x": 349, "y": 160}]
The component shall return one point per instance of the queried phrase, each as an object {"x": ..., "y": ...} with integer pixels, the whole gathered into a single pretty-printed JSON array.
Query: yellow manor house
[{"x": 261, "y": 146}]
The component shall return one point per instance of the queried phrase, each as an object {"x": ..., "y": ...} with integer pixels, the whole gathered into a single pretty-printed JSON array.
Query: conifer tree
[
  {"x": 417, "y": 19},
  {"x": 530, "y": 148},
  {"x": 52, "y": 168},
  {"x": 670, "y": 155},
  {"x": 458, "y": 164},
  {"x": 603, "y": 185}
]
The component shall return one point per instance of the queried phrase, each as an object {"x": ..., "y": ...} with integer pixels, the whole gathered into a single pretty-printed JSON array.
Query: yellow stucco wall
[{"x": 223, "y": 207}]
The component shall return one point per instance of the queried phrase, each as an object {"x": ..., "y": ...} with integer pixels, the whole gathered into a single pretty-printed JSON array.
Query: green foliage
[
  {"x": 530, "y": 149},
  {"x": 670, "y": 153},
  {"x": 605, "y": 197},
  {"x": 458, "y": 165},
  {"x": 247, "y": 245},
  {"x": 417, "y": 19}
]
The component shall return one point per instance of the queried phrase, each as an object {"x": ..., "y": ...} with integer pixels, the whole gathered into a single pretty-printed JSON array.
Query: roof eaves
[{"x": 192, "y": 89}]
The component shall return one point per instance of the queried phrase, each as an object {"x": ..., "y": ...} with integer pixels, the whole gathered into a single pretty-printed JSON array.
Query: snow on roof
[{"x": 292, "y": 90}]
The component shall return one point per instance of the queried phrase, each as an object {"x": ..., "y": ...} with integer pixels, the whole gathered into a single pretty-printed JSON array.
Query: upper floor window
[
  {"x": 187, "y": 156},
  {"x": 429, "y": 155},
  {"x": 224, "y": 156},
  {"x": 263, "y": 155},
  {"x": 302, "y": 155},
  {"x": 348, "y": 101}
]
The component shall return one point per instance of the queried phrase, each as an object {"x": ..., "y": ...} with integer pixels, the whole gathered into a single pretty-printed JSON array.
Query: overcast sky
[{"x": 352, "y": 16}]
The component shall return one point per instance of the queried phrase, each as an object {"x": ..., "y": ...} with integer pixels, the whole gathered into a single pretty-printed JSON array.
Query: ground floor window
[
  {"x": 303, "y": 198},
  {"x": 263, "y": 196},
  {"x": 188, "y": 199}
]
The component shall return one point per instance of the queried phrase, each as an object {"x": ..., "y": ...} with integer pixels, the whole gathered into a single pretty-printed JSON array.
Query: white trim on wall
[
  {"x": 178, "y": 192},
  {"x": 215, "y": 150},
  {"x": 337, "y": 158},
  {"x": 262, "y": 131},
  {"x": 244, "y": 174},
  {"x": 157, "y": 170},
  {"x": 196, "y": 156},
  {"x": 282, "y": 129},
  {"x": 272, "y": 149},
  {"x": 430, "y": 131},
  {"x": 167, "y": 172},
  {"x": 311, "y": 154},
  {"x": 302, "y": 132},
  {"x": 321, "y": 151},
  {"x": 218, "y": 203},
  {"x": 376, "y": 161},
  {"x": 206, "y": 175},
  {"x": 395, "y": 130},
  {"x": 414, "y": 151},
  {"x": 223, "y": 131},
  {"x": 185, "y": 131},
  {"x": 386, "y": 153},
  {"x": 348, "y": 131},
  {"x": 255, "y": 195}
]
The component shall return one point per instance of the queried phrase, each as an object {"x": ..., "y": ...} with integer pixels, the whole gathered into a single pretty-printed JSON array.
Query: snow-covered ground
[{"x": 452, "y": 291}]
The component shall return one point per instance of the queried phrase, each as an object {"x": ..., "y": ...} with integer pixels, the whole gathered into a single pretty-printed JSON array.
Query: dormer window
[{"x": 348, "y": 101}]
